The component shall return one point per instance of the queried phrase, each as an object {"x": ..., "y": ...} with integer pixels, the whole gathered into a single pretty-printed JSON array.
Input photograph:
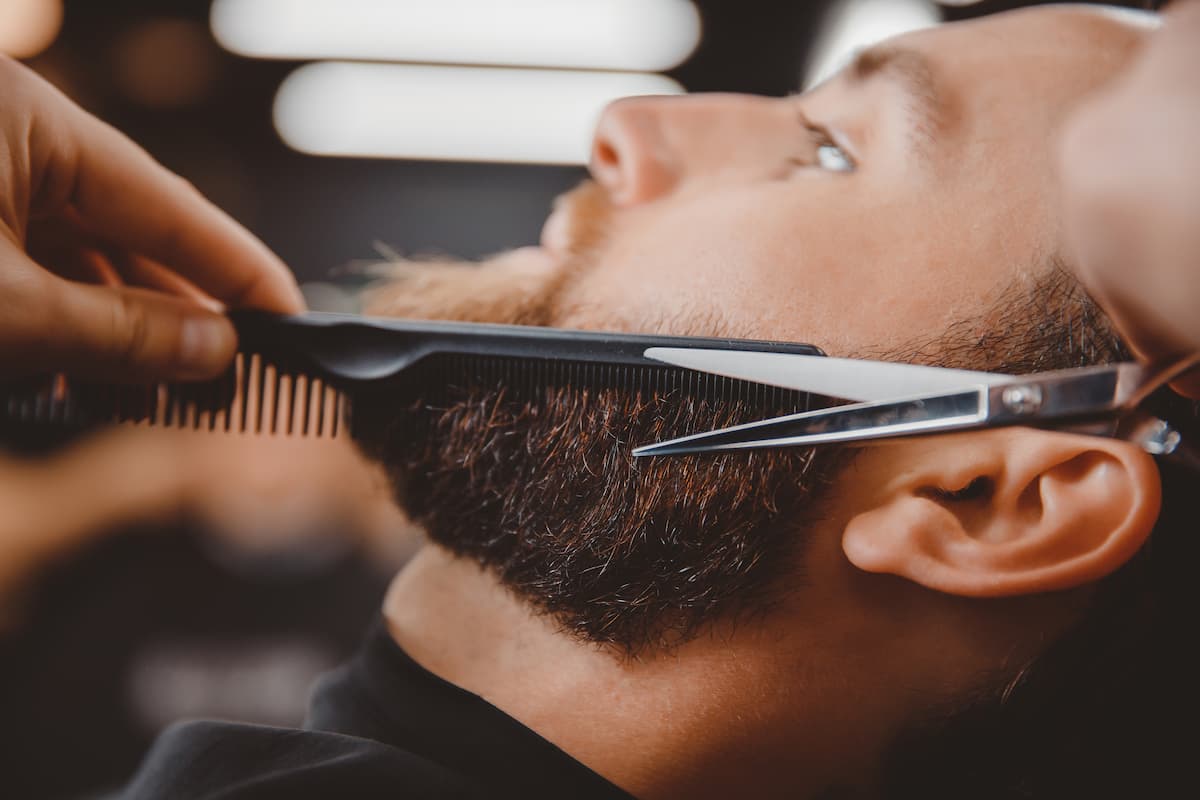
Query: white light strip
[
  {"x": 853, "y": 25},
  {"x": 451, "y": 113},
  {"x": 642, "y": 35}
]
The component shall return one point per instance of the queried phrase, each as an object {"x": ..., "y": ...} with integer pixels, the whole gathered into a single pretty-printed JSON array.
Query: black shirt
[{"x": 381, "y": 726}]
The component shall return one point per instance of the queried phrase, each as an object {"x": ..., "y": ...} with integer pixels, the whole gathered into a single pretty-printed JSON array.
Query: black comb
[{"x": 314, "y": 374}]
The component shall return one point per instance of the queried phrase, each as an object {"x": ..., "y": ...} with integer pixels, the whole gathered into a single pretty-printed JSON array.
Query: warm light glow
[
  {"x": 166, "y": 63},
  {"x": 27, "y": 27},
  {"x": 853, "y": 25},
  {"x": 451, "y": 113},
  {"x": 642, "y": 35}
]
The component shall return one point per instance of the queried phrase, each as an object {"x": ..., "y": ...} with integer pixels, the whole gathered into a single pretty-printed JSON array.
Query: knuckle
[{"x": 130, "y": 331}]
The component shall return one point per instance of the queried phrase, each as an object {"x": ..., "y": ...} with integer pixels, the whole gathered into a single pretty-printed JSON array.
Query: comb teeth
[
  {"x": 260, "y": 396},
  {"x": 525, "y": 379},
  {"x": 446, "y": 378},
  {"x": 253, "y": 396}
]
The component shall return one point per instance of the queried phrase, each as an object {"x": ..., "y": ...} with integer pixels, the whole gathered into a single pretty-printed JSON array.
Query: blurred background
[{"x": 341, "y": 132}]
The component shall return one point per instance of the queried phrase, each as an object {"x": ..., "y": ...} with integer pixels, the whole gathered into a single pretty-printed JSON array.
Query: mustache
[
  {"x": 590, "y": 210},
  {"x": 511, "y": 288},
  {"x": 516, "y": 287}
]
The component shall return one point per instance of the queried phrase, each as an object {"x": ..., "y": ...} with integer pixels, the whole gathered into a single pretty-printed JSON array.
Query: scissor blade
[
  {"x": 961, "y": 410},
  {"x": 847, "y": 378}
]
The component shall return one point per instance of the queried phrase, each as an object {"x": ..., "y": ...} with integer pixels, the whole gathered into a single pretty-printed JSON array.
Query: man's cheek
[{"x": 689, "y": 260}]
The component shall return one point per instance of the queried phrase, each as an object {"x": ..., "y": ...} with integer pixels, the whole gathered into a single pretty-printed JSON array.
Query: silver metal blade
[
  {"x": 961, "y": 410},
  {"x": 847, "y": 378}
]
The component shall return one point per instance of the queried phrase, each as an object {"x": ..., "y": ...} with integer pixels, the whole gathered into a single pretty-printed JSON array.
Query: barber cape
[{"x": 381, "y": 726}]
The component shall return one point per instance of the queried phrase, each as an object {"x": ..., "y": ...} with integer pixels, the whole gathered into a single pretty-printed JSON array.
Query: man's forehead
[
  {"x": 1079, "y": 29},
  {"x": 914, "y": 74},
  {"x": 1052, "y": 53}
]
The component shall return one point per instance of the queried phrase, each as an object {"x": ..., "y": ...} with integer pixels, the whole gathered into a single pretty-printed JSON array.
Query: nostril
[
  {"x": 630, "y": 157},
  {"x": 606, "y": 154},
  {"x": 606, "y": 167}
]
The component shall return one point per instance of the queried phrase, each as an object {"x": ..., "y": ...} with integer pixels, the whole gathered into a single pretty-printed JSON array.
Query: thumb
[{"x": 132, "y": 333}]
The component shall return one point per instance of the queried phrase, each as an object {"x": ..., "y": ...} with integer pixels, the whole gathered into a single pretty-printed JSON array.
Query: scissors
[{"x": 904, "y": 400}]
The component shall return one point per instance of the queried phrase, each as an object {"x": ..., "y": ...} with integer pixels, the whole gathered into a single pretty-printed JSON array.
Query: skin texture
[
  {"x": 81, "y": 205},
  {"x": 710, "y": 219},
  {"x": 1131, "y": 193}
]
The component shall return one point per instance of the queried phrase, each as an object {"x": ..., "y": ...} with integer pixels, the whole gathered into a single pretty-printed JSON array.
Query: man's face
[
  {"x": 737, "y": 216},
  {"x": 899, "y": 202},
  {"x": 723, "y": 219},
  {"x": 718, "y": 214}
]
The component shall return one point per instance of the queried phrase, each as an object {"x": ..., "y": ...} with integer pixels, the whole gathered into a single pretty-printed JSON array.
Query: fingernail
[{"x": 205, "y": 344}]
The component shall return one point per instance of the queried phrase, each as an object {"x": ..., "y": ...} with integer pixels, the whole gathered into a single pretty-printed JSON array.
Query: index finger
[{"x": 122, "y": 194}]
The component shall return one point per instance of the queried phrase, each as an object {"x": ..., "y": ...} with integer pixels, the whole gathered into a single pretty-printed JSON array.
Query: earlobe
[{"x": 1007, "y": 513}]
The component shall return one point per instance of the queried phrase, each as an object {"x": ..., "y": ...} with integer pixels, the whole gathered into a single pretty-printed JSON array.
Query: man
[{"x": 968, "y": 616}]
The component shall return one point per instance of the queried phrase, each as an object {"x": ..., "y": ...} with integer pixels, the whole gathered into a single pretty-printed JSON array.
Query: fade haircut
[{"x": 1101, "y": 711}]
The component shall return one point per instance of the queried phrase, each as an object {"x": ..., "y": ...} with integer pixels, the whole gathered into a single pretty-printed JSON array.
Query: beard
[{"x": 541, "y": 489}]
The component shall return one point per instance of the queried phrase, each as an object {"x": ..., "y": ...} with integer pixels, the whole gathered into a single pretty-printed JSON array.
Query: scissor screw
[
  {"x": 1022, "y": 399},
  {"x": 1160, "y": 439}
]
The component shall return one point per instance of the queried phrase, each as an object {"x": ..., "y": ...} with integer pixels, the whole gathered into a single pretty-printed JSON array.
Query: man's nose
[
  {"x": 630, "y": 153},
  {"x": 645, "y": 146}
]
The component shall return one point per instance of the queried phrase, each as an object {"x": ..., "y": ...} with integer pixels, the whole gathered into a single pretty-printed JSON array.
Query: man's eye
[
  {"x": 825, "y": 154},
  {"x": 833, "y": 158}
]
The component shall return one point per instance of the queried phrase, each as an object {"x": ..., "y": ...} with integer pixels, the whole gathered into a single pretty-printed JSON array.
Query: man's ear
[{"x": 1002, "y": 513}]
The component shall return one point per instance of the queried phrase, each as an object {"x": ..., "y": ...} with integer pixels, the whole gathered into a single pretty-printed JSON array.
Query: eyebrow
[{"x": 914, "y": 73}]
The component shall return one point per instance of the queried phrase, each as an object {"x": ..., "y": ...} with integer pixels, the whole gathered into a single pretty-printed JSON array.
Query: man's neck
[{"x": 666, "y": 726}]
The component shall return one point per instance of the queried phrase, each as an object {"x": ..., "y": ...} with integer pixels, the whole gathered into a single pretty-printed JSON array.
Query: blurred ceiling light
[
  {"x": 451, "y": 113},
  {"x": 27, "y": 27},
  {"x": 166, "y": 63},
  {"x": 852, "y": 25},
  {"x": 642, "y": 35}
]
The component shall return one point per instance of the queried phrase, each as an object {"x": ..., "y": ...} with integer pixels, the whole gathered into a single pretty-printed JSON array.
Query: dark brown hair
[
  {"x": 540, "y": 487},
  {"x": 1104, "y": 711},
  {"x": 636, "y": 556}
]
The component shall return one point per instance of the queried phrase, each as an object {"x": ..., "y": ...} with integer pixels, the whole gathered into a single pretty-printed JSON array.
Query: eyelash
[{"x": 820, "y": 139}]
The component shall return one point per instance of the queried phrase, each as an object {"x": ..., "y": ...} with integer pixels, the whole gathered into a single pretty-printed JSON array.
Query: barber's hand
[
  {"x": 109, "y": 264},
  {"x": 56, "y": 505},
  {"x": 253, "y": 494},
  {"x": 1131, "y": 188}
]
